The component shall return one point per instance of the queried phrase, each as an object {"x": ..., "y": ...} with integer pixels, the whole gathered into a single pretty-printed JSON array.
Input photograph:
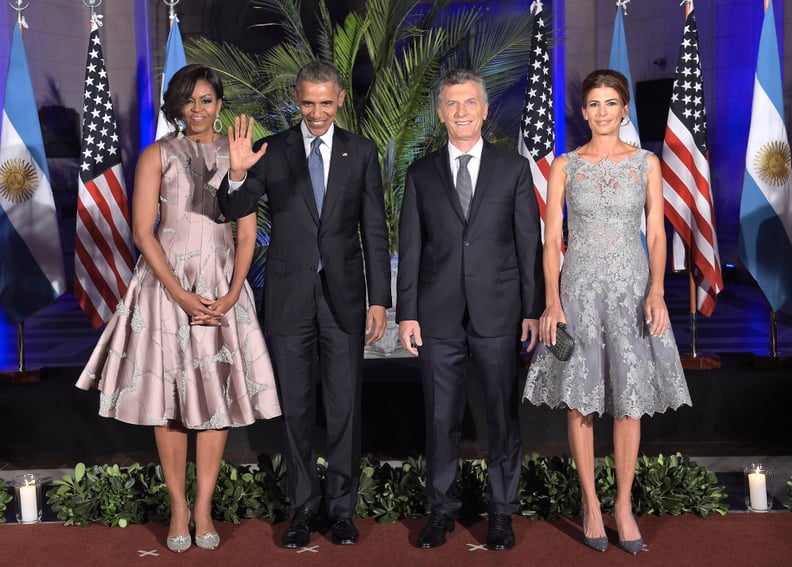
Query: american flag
[
  {"x": 537, "y": 139},
  {"x": 686, "y": 177},
  {"x": 103, "y": 251}
]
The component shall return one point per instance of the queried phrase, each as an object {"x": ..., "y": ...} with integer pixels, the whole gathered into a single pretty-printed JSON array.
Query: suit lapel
[
  {"x": 339, "y": 169},
  {"x": 298, "y": 163},
  {"x": 447, "y": 181}
]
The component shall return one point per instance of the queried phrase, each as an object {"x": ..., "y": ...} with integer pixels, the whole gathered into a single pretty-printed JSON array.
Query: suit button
[{"x": 466, "y": 243}]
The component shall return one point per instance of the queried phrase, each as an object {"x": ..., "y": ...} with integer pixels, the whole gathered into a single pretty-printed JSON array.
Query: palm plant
[{"x": 406, "y": 44}]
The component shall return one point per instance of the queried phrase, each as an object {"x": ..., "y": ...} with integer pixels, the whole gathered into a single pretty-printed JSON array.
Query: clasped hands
[{"x": 205, "y": 311}]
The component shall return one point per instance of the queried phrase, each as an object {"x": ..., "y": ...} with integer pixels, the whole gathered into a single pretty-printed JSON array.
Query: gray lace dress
[{"x": 617, "y": 367}]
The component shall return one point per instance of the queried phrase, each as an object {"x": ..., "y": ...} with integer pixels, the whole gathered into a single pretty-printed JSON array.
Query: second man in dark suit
[
  {"x": 324, "y": 189},
  {"x": 470, "y": 283}
]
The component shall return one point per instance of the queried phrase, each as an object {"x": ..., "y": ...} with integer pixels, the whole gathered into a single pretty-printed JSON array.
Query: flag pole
[
  {"x": 692, "y": 306},
  {"x": 21, "y": 375},
  {"x": 171, "y": 4},
  {"x": 773, "y": 359},
  {"x": 93, "y": 5},
  {"x": 20, "y": 7},
  {"x": 695, "y": 361}
]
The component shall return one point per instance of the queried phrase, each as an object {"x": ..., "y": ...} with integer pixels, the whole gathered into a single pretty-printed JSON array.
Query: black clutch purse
[{"x": 564, "y": 345}]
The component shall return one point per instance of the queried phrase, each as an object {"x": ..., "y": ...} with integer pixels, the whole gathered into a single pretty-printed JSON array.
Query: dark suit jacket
[
  {"x": 353, "y": 199},
  {"x": 491, "y": 264}
]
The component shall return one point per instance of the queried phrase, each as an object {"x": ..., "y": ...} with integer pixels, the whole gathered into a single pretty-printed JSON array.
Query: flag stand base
[
  {"x": 700, "y": 362},
  {"x": 20, "y": 376},
  {"x": 769, "y": 361}
]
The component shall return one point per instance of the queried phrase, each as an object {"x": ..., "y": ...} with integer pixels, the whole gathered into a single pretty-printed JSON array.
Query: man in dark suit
[
  {"x": 316, "y": 288},
  {"x": 470, "y": 283}
]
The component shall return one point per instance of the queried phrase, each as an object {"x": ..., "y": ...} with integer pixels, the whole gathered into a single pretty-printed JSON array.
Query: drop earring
[
  {"x": 180, "y": 125},
  {"x": 217, "y": 124},
  {"x": 626, "y": 120}
]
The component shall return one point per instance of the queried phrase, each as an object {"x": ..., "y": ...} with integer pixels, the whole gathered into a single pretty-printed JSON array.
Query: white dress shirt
[{"x": 474, "y": 165}]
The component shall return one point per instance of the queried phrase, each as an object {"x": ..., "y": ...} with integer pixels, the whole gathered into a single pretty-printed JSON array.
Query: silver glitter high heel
[
  {"x": 180, "y": 543},
  {"x": 208, "y": 540}
]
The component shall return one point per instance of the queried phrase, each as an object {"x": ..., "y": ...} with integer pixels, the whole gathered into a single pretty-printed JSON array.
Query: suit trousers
[
  {"x": 339, "y": 356},
  {"x": 443, "y": 364}
]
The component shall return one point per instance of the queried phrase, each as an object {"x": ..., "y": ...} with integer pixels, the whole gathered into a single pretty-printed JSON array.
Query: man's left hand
[{"x": 530, "y": 327}]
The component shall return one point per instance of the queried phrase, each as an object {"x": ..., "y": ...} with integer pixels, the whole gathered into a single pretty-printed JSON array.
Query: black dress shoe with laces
[
  {"x": 344, "y": 532},
  {"x": 500, "y": 535},
  {"x": 299, "y": 532},
  {"x": 433, "y": 534}
]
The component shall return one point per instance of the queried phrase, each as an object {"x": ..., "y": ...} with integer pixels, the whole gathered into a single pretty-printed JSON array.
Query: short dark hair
[
  {"x": 181, "y": 87},
  {"x": 319, "y": 72},
  {"x": 606, "y": 78},
  {"x": 457, "y": 77}
]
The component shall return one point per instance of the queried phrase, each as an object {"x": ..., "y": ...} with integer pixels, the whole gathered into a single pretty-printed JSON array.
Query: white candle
[
  {"x": 757, "y": 488},
  {"x": 28, "y": 503}
]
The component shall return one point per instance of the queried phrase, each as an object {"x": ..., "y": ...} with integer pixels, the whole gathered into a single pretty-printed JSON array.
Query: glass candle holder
[
  {"x": 758, "y": 480},
  {"x": 27, "y": 495}
]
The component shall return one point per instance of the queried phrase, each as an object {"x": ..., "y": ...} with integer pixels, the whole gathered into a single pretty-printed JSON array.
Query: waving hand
[{"x": 240, "y": 140}]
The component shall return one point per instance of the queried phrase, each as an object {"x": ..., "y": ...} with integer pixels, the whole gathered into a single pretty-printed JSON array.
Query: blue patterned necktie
[
  {"x": 464, "y": 185},
  {"x": 316, "y": 169}
]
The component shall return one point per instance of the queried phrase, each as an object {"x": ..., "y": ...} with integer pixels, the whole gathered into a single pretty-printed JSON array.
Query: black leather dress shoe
[
  {"x": 299, "y": 532},
  {"x": 500, "y": 535},
  {"x": 344, "y": 532},
  {"x": 433, "y": 534}
]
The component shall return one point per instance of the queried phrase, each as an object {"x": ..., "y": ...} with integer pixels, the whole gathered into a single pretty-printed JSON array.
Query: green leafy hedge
[
  {"x": 5, "y": 498},
  {"x": 549, "y": 488}
]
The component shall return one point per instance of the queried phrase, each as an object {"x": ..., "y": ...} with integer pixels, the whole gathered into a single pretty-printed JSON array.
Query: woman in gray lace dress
[
  {"x": 184, "y": 350},
  {"x": 625, "y": 360}
]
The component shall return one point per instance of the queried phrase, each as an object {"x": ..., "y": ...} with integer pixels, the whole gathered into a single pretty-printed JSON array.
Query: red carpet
[{"x": 734, "y": 539}]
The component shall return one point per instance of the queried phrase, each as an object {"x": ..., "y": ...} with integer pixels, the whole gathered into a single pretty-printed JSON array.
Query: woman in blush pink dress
[{"x": 184, "y": 350}]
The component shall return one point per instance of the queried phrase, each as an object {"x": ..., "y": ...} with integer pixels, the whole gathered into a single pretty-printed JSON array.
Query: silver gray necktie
[
  {"x": 464, "y": 185},
  {"x": 316, "y": 169}
]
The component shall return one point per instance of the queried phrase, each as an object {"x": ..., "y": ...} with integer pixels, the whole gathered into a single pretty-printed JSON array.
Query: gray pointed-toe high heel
[
  {"x": 596, "y": 543},
  {"x": 633, "y": 546}
]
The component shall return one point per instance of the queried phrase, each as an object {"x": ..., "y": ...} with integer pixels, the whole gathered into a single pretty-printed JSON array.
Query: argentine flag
[
  {"x": 766, "y": 205},
  {"x": 174, "y": 60},
  {"x": 619, "y": 61},
  {"x": 31, "y": 261}
]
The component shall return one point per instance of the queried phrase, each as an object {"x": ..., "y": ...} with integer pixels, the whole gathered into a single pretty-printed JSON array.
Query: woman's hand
[
  {"x": 552, "y": 315},
  {"x": 220, "y": 307},
  {"x": 241, "y": 154},
  {"x": 657, "y": 319},
  {"x": 199, "y": 309}
]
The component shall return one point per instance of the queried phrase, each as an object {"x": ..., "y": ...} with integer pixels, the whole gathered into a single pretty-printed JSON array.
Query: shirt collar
[
  {"x": 475, "y": 151},
  {"x": 327, "y": 137}
]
